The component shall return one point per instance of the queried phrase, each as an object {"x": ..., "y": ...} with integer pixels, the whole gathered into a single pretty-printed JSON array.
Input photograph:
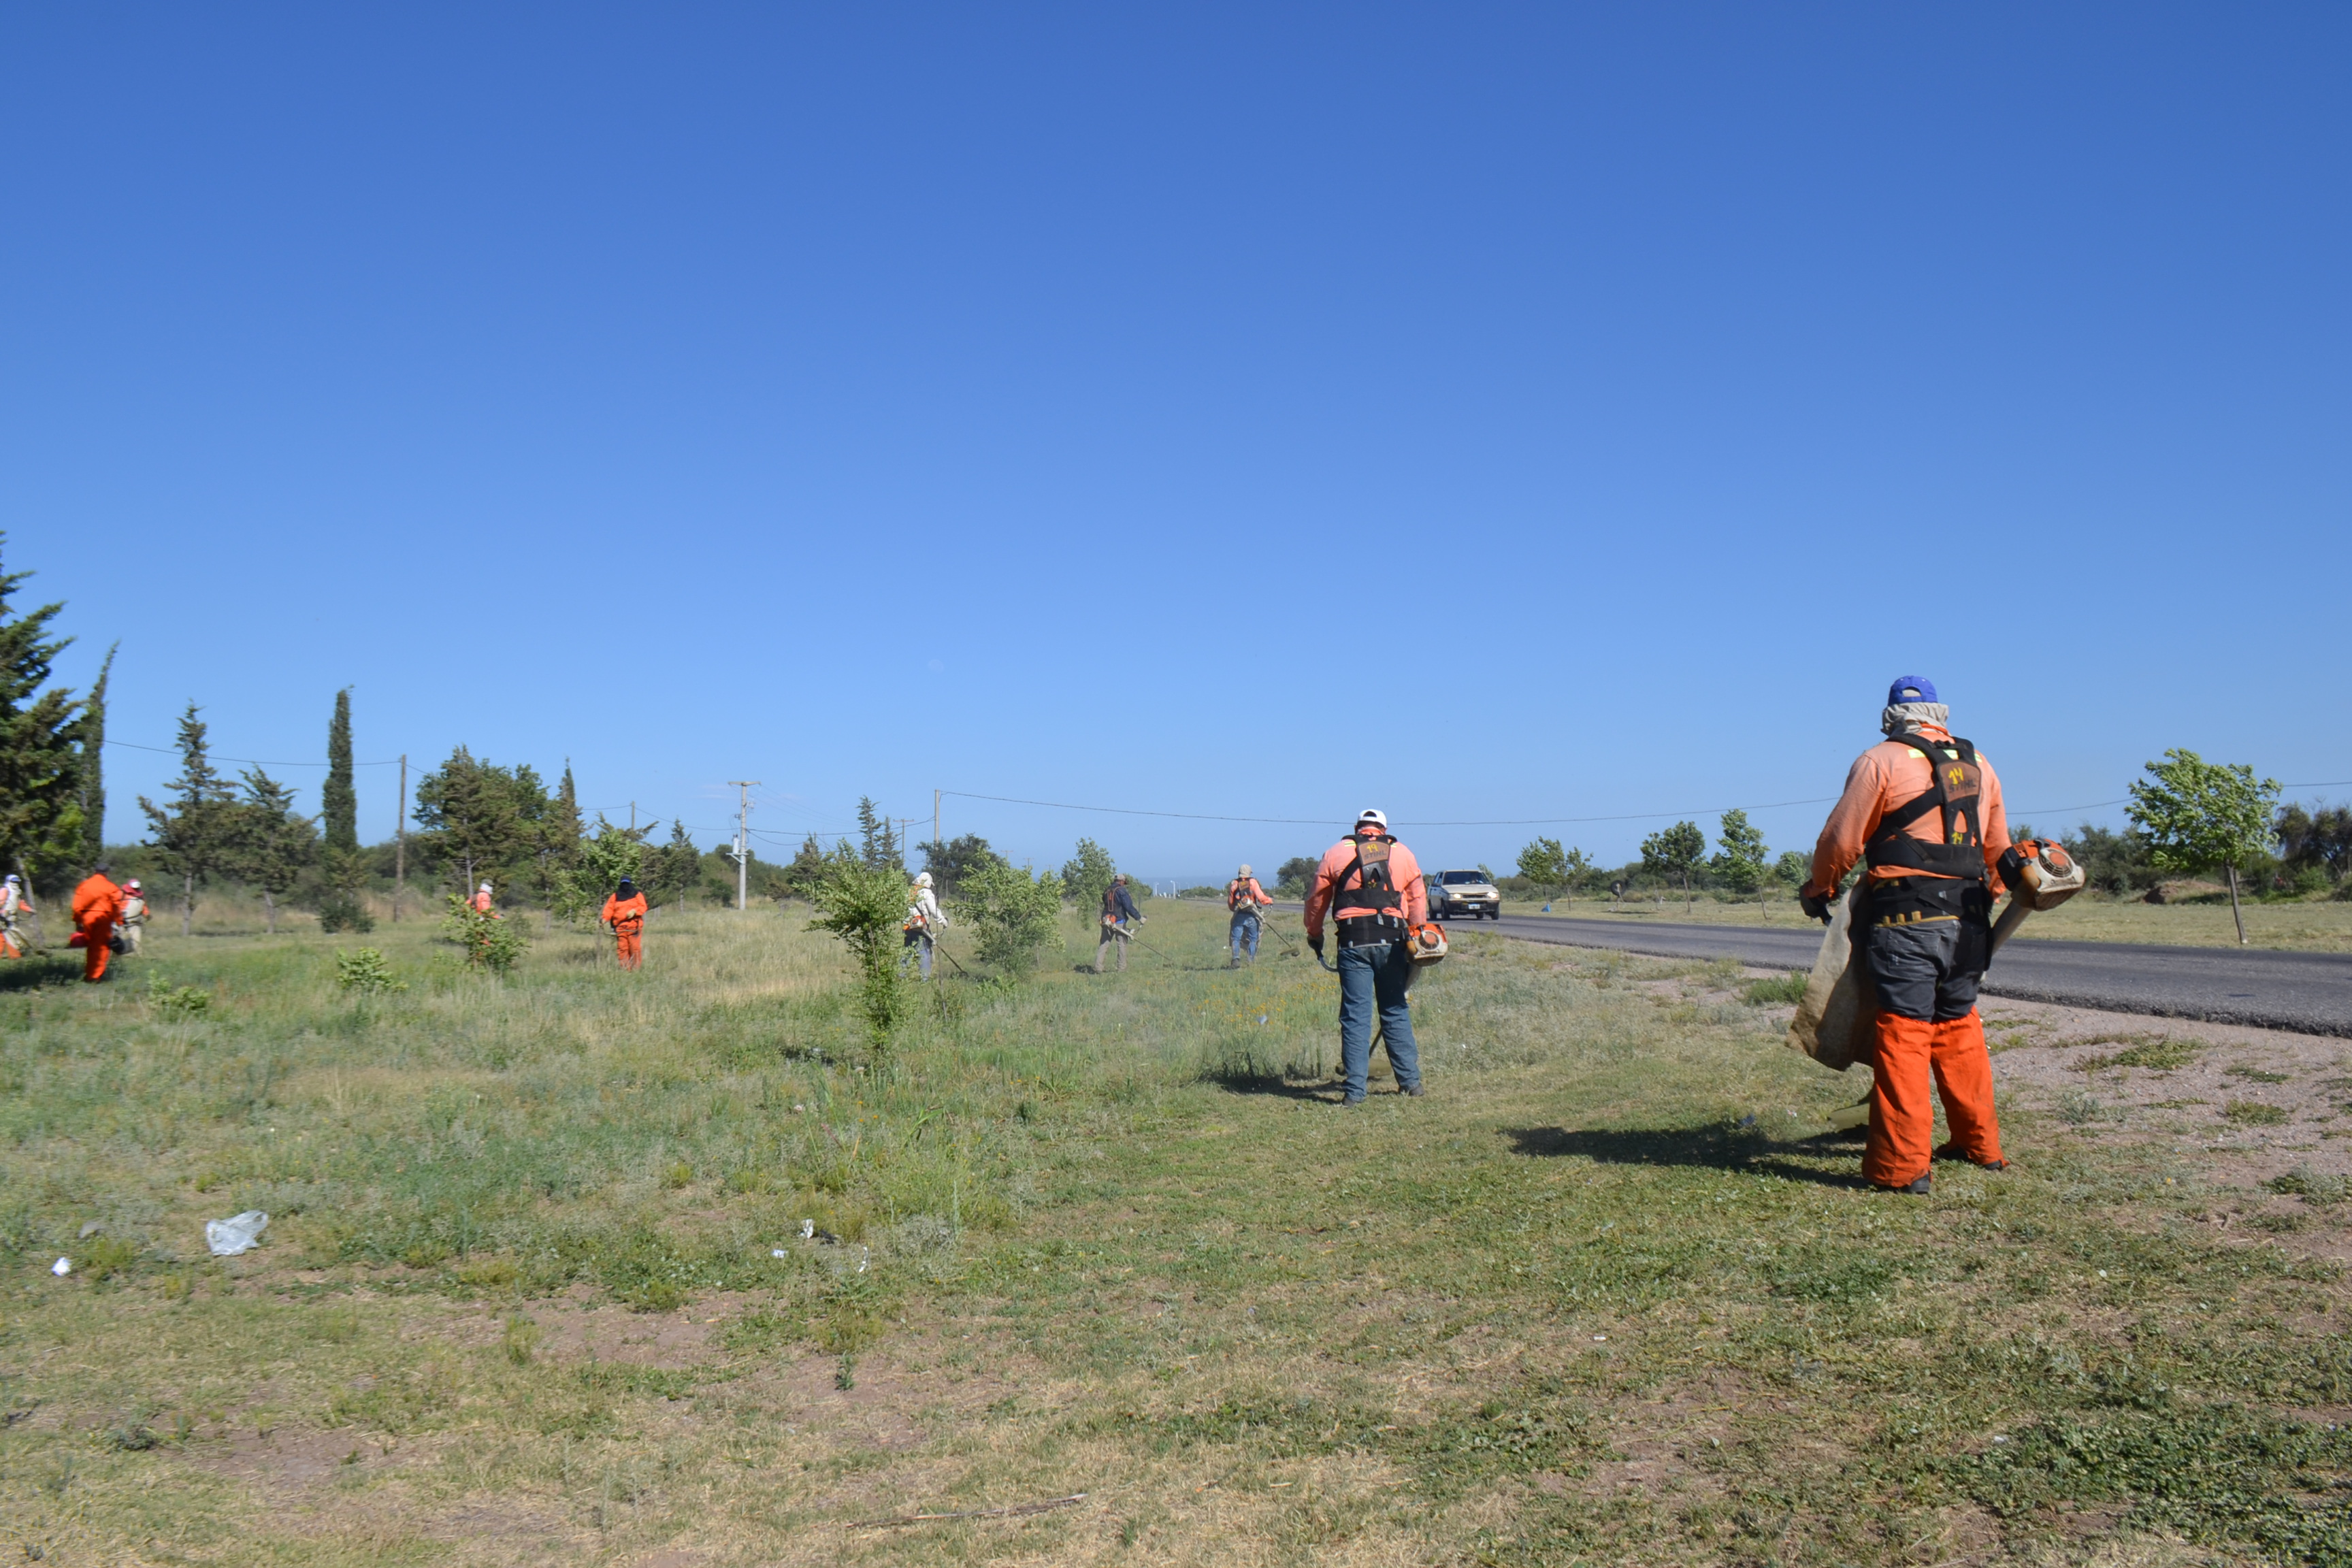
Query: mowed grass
[
  {"x": 2309, "y": 925},
  {"x": 1605, "y": 1295}
]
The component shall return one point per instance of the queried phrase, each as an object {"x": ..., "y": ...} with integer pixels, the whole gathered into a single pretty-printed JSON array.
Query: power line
[
  {"x": 252, "y": 762},
  {"x": 1530, "y": 821}
]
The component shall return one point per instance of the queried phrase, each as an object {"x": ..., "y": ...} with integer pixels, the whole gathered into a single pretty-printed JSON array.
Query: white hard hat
[
  {"x": 1372, "y": 814},
  {"x": 1245, "y": 871},
  {"x": 486, "y": 886},
  {"x": 923, "y": 880}
]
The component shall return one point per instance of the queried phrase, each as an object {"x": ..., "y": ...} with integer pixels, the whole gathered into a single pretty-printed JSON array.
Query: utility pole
[
  {"x": 632, "y": 819},
  {"x": 742, "y": 842},
  {"x": 935, "y": 819},
  {"x": 400, "y": 842}
]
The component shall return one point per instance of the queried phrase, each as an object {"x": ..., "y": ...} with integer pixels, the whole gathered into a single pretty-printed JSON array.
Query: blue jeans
[
  {"x": 1244, "y": 932},
  {"x": 1369, "y": 976}
]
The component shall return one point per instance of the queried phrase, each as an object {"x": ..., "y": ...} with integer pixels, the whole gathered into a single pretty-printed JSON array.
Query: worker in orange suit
[
  {"x": 624, "y": 911},
  {"x": 1923, "y": 810},
  {"x": 97, "y": 905},
  {"x": 481, "y": 901}
]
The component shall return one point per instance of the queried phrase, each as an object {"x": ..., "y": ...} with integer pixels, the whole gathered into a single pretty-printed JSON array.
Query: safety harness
[
  {"x": 1239, "y": 898},
  {"x": 1954, "y": 865},
  {"x": 1368, "y": 926}
]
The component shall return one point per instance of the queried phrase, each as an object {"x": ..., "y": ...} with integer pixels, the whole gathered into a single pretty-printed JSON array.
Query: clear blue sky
[{"x": 1484, "y": 413}]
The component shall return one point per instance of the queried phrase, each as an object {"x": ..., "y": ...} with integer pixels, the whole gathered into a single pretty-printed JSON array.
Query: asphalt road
[{"x": 2309, "y": 993}]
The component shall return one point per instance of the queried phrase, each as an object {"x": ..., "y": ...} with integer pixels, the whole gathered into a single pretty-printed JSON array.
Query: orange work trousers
[
  {"x": 1911, "y": 1053},
  {"x": 631, "y": 948},
  {"x": 94, "y": 952}
]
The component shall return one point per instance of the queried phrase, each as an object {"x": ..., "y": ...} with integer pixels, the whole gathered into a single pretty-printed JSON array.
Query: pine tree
[
  {"x": 40, "y": 769},
  {"x": 879, "y": 849},
  {"x": 485, "y": 820},
  {"x": 339, "y": 802},
  {"x": 195, "y": 832},
  {"x": 270, "y": 845}
]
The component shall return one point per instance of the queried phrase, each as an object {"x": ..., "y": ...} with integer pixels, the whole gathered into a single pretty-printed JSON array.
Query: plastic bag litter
[
  {"x": 61, "y": 1267},
  {"x": 227, "y": 1238}
]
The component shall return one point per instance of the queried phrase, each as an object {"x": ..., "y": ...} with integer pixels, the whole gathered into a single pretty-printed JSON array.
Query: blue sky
[{"x": 1486, "y": 412}]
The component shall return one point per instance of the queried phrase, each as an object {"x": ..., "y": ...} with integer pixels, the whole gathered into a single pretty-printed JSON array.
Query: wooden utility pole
[
  {"x": 935, "y": 818},
  {"x": 743, "y": 842},
  {"x": 400, "y": 841}
]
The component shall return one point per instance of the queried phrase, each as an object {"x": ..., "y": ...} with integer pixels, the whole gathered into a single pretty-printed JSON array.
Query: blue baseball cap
[{"x": 1911, "y": 688}]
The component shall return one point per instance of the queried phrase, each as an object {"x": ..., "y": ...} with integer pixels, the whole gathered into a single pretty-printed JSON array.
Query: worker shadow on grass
[
  {"x": 26, "y": 975},
  {"x": 1713, "y": 1148},
  {"x": 1238, "y": 1080}
]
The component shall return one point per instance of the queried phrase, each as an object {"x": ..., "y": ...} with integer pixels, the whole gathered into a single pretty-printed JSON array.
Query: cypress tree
[
  {"x": 339, "y": 802},
  {"x": 91, "y": 733},
  {"x": 40, "y": 770}
]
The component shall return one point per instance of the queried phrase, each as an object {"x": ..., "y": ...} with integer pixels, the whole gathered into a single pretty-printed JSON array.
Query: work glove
[
  {"x": 1316, "y": 943},
  {"x": 1816, "y": 906}
]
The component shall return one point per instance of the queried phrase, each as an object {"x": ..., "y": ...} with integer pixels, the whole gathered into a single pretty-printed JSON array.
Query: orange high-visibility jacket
[
  {"x": 1240, "y": 891},
  {"x": 481, "y": 901},
  {"x": 625, "y": 916},
  {"x": 1408, "y": 897},
  {"x": 1888, "y": 775},
  {"x": 97, "y": 903}
]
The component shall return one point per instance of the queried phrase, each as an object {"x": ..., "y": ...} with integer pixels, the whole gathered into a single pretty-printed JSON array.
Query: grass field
[
  {"x": 1605, "y": 1295},
  {"x": 2311, "y": 925}
]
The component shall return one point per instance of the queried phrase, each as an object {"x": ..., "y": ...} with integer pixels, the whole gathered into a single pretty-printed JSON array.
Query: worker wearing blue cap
[{"x": 1923, "y": 810}]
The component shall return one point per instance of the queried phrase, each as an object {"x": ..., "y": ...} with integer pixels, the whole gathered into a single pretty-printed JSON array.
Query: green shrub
[
  {"x": 2253, "y": 1113},
  {"x": 489, "y": 941},
  {"x": 366, "y": 972},
  {"x": 865, "y": 906},
  {"x": 1014, "y": 916},
  {"x": 177, "y": 1001}
]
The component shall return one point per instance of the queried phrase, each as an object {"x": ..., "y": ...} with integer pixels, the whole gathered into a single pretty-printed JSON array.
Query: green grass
[{"x": 1607, "y": 1294}]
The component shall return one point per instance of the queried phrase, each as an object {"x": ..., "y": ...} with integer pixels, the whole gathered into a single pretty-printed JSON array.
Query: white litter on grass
[
  {"x": 808, "y": 1232},
  {"x": 778, "y": 1252},
  {"x": 61, "y": 1267},
  {"x": 1998, "y": 1438},
  {"x": 228, "y": 1237},
  {"x": 865, "y": 1257}
]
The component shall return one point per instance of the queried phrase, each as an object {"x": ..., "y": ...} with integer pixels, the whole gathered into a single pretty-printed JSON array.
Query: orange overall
[
  {"x": 1921, "y": 961},
  {"x": 96, "y": 904},
  {"x": 627, "y": 919}
]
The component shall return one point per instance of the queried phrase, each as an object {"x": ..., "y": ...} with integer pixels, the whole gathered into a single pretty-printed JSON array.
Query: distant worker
[
  {"x": 1247, "y": 899},
  {"x": 924, "y": 922},
  {"x": 15, "y": 905},
  {"x": 481, "y": 901},
  {"x": 1923, "y": 809},
  {"x": 624, "y": 911},
  {"x": 1120, "y": 919},
  {"x": 134, "y": 916},
  {"x": 1370, "y": 887},
  {"x": 97, "y": 905}
]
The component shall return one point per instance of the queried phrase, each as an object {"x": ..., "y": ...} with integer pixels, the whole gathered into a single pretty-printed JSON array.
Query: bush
[
  {"x": 489, "y": 941},
  {"x": 182, "y": 1001},
  {"x": 365, "y": 971},
  {"x": 866, "y": 907},
  {"x": 1012, "y": 915}
]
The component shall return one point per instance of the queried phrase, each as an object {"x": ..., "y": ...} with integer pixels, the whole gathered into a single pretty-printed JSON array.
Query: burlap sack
[{"x": 1837, "y": 1016}]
